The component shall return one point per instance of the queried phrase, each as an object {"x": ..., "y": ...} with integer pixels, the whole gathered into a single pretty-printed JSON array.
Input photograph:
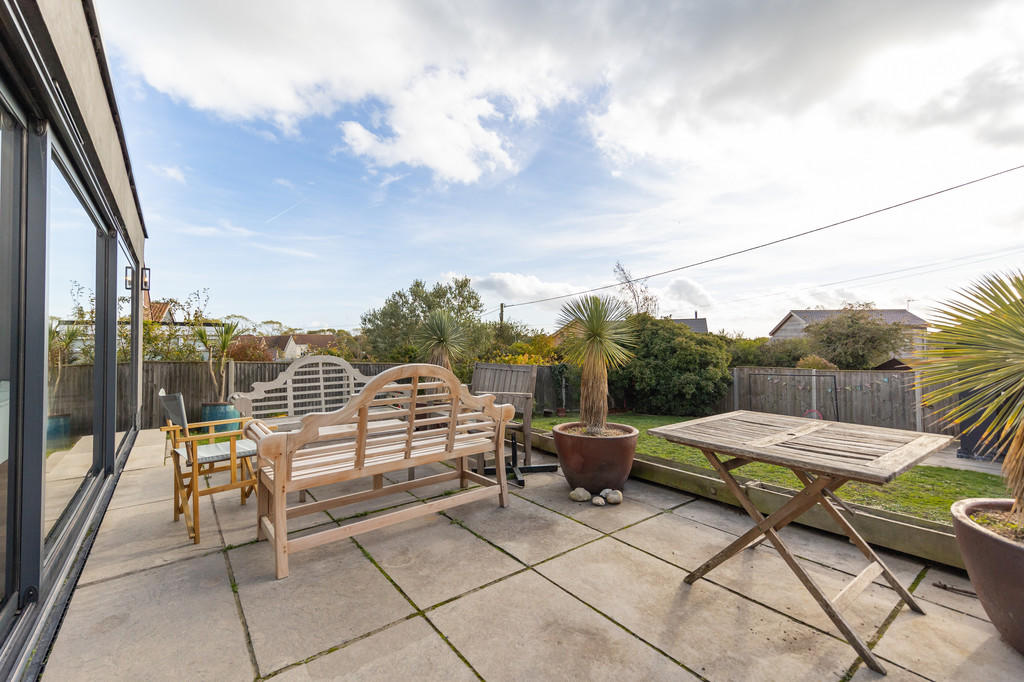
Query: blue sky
[{"x": 303, "y": 165}]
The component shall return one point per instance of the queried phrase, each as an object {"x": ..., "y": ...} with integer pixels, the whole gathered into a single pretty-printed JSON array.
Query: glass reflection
[{"x": 71, "y": 306}]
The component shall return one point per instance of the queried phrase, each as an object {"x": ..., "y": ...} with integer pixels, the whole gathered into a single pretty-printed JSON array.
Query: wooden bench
[
  {"x": 315, "y": 383},
  {"x": 405, "y": 416}
]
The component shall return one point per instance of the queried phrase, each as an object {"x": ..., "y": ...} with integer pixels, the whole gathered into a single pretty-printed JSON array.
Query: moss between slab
[{"x": 925, "y": 491}]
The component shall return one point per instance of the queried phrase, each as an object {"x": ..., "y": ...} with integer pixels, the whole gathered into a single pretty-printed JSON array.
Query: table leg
[
  {"x": 865, "y": 548},
  {"x": 797, "y": 505}
]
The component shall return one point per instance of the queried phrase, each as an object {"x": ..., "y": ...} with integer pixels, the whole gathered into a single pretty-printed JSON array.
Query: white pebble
[
  {"x": 579, "y": 495},
  {"x": 614, "y": 497},
  {"x": 598, "y": 500},
  {"x": 604, "y": 493}
]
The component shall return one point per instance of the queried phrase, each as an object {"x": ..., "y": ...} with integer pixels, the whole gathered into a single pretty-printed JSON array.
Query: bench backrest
[
  {"x": 512, "y": 384},
  {"x": 404, "y": 416},
  {"x": 315, "y": 383}
]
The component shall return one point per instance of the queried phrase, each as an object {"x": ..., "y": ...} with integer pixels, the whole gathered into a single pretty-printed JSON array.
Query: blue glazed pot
[
  {"x": 58, "y": 431},
  {"x": 216, "y": 411}
]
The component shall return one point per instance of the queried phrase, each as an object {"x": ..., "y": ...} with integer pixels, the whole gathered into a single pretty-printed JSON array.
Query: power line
[
  {"x": 774, "y": 241},
  {"x": 980, "y": 257}
]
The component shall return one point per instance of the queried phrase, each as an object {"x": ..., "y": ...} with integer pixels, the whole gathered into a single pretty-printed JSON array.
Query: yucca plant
[
  {"x": 597, "y": 336},
  {"x": 976, "y": 359},
  {"x": 441, "y": 339},
  {"x": 218, "y": 343}
]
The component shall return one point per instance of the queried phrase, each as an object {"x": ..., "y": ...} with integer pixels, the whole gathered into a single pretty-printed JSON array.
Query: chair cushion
[{"x": 218, "y": 452}]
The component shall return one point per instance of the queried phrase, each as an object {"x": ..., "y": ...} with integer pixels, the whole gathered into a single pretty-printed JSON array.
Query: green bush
[
  {"x": 814, "y": 362},
  {"x": 675, "y": 371}
]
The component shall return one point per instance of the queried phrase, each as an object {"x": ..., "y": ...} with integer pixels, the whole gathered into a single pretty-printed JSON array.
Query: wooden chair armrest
[
  {"x": 219, "y": 422},
  {"x": 233, "y": 435},
  {"x": 172, "y": 427}
]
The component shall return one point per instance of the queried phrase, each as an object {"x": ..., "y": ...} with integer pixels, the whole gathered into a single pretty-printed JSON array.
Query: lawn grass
[{"x": 925, "y": 492}]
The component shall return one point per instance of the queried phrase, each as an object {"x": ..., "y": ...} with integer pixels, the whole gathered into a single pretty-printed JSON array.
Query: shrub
[
  {"x": 814, "y": 362},
  {"x": 783, "y": 352},
  {"x": 675, "y": 371}
]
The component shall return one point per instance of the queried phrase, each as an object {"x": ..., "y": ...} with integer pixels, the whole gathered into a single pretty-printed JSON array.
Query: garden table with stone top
[{"x": 824, "y": 455}]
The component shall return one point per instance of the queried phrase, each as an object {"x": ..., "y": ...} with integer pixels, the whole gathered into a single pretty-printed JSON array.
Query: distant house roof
[
  {"x": 154, "y": 311},
  {"x": 887, "y": 315},
  {"x": 696, "y": 324},
  {"x": 280, "y": 342},
  {"x": 315, "y": 340}
]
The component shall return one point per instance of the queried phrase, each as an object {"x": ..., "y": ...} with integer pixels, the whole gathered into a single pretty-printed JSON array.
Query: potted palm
[
  {"x": 217, "y": 342},
  {"x": 975, "y": 359},
  {"x": 441, "y": 339},
  {"x": 593, "y": 453}
]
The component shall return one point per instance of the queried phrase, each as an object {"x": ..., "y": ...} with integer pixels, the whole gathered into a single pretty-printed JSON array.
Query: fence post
[
  {"x": 918, "y": 403},
  {"x": 814, "y": 390},
  {"x": 735, "y": 388}
]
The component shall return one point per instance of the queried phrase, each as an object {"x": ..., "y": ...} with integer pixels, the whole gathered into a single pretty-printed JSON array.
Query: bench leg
[
  {"x": 462, "y": 464},
  {"x": 278, "y": 503},
  {"x": 262, "y": 508},
  {"x": 499, "y": 470}
]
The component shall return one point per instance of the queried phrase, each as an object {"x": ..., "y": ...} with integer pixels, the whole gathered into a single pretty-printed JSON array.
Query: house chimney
[{"x": 695, "y": 314}]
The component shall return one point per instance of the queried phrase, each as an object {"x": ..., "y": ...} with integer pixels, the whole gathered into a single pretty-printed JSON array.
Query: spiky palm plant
[
  {"x": 598, "y": 336},
  {"x": 976, "y": 359},
  {"x": 441, "y": 338},
  {"x": 60, "y": 344},
  {"x": 218, "y": 343}
]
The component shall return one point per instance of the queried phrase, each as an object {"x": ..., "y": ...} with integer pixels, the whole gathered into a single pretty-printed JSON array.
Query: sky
[{"x": 304, "y": 160}]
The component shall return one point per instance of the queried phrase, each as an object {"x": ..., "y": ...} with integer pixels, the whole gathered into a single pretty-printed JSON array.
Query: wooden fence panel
[{"x": 869, "y": 397}]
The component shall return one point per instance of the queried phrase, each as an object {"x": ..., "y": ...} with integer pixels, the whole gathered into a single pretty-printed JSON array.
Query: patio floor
[{"x": 545, "y": 589}]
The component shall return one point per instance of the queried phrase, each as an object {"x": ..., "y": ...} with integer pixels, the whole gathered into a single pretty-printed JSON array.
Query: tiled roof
[
  {"x": 887, "y": 315},
  {"x": 156, "y": 310},
  {"x": 315, "y": 340},
  {"x": 696, "y": 324}
]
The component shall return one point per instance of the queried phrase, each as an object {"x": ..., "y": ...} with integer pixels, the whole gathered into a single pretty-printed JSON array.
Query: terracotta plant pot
[
  {"x": 995, "y": 565},
  {"x": 595, "y": 462}
]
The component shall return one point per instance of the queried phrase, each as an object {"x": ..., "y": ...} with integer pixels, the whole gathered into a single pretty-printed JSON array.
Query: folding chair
[{"x": 193, "y": 459}]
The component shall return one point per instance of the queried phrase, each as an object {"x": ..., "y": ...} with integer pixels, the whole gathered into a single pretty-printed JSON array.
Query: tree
[
  {"x": 814, "y": 362},
  {"x": 635, "y": 291},
  {"x": 250, "y": 349},
  {"x": 390, "y": 329},
  {"x": 274, "y": 328},
  {"x": 441, "y": 339},
  {"x": 599, "y": 334},
  {"x": 675, "y": 371},
  {"x": 856, "y": 339}
]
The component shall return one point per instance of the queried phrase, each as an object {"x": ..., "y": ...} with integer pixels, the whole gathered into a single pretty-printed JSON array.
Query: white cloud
[
  {"x": 171, "y": 172},
  {"x": 284, "y": 182},
  {"x": 283, "y": 250},
  {"x": 514, "y": 287}
]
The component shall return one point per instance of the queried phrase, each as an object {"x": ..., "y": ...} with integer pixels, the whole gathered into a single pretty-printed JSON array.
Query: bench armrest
[
  {"x": 485, "y": 403},
  {"x": 270, "y": 445}
]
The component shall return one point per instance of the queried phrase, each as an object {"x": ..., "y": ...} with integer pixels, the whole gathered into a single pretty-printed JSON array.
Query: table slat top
[{"x": 865, "y": 453}]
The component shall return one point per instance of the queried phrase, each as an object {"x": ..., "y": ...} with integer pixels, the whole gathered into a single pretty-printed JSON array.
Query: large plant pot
[
  {"x": 995, "y": 566},
  {"x": 595, "y": 462},
  {"x": 216, "y": 411},
  {"x": 58, "y": 431}
]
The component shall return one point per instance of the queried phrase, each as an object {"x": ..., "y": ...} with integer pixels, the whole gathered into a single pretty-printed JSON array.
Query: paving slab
[
  {"x": 332, "y": 595},
  {"x": 141, "y": 486},
  {"x": 146, "y": 457},
  {"x": 391, "y": 501},
  {"x": 716, "y": 633},
  {"x": 824, "y": 548},
  {"x": 759, "y": 574},
  {"x": 551, "y": 490},
  {"x": 525, "y": 530},
  {"x": 893, "y": 674},
  {"x": 948, "y": 645},
  {"x": 171, "y": 623},
  {"x": 545, "y": 634},
  {"x": 964, "y": 603},
  {"x": 408, "y": 650},
  {"x": 146, "y": 536},
  {"x": 433, "y": 559}
]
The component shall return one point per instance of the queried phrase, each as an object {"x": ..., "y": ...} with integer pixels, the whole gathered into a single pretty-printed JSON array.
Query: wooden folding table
[{"x": 824, "y": 455}]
